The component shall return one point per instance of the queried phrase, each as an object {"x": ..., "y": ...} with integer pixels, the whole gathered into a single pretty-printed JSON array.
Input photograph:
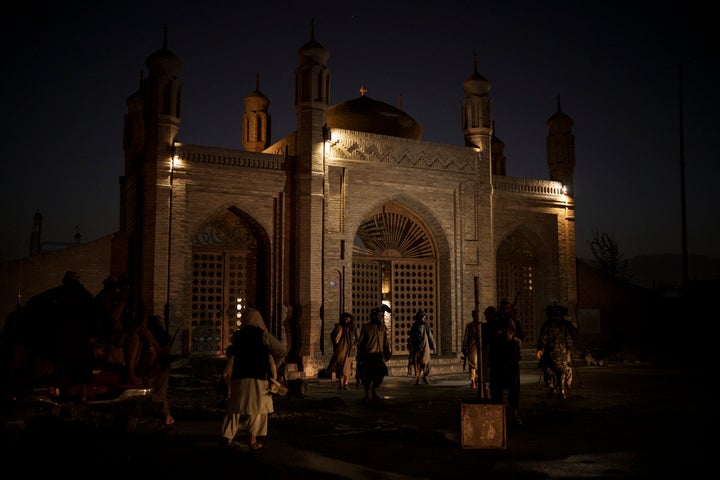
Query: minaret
[
  {"x": 163, "y": 95},
  {"x": 312, "y": 91},
  {"x": 477, "y": 110},
  {"x": 256, "y": 120},
  {"x": 561, "y": 148},
  {"x": 152, "y": 123},
  {"x": 312, "y": 95}
]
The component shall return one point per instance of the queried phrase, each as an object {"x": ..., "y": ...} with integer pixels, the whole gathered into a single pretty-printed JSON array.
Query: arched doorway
[
  {"x": 516, "y": 276},
  {"x": 395, "y": 262},
  {"x": 227, "y": 276}
]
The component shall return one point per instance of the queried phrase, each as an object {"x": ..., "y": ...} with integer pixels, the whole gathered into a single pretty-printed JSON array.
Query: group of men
[
  {"x": 60, "y": 333},
  {"x": 492, "y": 350}
]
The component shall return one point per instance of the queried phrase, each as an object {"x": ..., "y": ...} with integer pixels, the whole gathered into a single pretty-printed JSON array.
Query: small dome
[
  {"x": 364, "y": 114},
  {"x": 313, "y": 53},
  {"x": 255, "y": 100},
  {"x": 476, "y": 84},
  {"x": 559, "y": 122},
  {"x": 163, "y": 62}
]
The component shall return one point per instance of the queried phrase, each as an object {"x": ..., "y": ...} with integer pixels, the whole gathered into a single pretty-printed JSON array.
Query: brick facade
[{"x": 303, "y": 201}]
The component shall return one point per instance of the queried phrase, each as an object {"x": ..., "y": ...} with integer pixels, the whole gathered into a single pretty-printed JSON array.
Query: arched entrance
[
  {"x": 227, "y": 275},
  {"x": 516, "y": 276},
  {"x": 395, "y": 262}
]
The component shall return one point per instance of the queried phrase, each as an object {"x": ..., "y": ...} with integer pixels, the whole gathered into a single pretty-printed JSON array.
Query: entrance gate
[
  {"x": 225, "y": 280},
  {"x": 394, "y": 263}
]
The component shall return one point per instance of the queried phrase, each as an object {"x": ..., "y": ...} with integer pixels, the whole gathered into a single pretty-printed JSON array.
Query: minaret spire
[
  {"x": 256, "y": 120},
  {"x": 560, "y": 143},
  {"x": 477, "y": 110}
]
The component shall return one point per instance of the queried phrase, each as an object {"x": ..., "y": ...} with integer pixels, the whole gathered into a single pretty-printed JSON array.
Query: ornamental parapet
[
  {"x": 230, "y": 158},
  {"x": 372, "y": 148},
  {"x": 527, "y": 186}
]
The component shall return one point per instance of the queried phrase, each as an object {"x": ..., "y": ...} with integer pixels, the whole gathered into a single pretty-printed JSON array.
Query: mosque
[{"x": 349, "y": 211}]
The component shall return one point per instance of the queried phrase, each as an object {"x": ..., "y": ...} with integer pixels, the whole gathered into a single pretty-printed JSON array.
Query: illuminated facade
[{"x": 349, "y": 210}]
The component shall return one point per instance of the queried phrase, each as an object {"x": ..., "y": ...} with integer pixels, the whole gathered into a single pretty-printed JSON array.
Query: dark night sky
[{"x": 68, "y": 70}]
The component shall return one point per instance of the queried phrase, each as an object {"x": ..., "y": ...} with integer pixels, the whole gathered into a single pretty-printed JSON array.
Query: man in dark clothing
[
  {"x": 373, "y": 351},
  {"x": 505, "y": 335},
  {"x": 553, "y": 350},
  {"x": 420, "y": 344}
]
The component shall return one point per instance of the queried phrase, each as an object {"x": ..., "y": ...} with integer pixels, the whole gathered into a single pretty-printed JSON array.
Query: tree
[{"x": 608, "y": 257}]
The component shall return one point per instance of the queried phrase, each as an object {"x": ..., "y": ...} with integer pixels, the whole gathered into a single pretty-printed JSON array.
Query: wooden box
[{"x": 482, "y": 425}]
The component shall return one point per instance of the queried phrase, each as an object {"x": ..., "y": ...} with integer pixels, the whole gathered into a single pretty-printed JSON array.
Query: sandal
[{"x": 255, "y": 446}]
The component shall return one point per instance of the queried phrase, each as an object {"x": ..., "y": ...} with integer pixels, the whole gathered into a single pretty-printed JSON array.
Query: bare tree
[{"x": 608, "y": 257}]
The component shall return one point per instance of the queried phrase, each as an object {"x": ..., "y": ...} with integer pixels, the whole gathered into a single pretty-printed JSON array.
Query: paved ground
[{"x": 632, "y": 421}]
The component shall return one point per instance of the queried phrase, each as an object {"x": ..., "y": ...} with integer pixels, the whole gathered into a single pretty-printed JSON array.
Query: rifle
[{"x": 514, "y": 304}]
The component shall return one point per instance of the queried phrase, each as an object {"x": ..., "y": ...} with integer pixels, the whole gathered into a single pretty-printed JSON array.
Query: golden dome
[{"x": 363, "y": 114}]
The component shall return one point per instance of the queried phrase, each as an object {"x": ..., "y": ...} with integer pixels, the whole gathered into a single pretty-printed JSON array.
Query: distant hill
[{"x": 665, "y": 269}]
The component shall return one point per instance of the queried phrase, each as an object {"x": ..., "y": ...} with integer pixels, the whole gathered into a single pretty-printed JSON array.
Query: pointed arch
[
  {"x": 395, "y": 261},
  {"x": 229, "y": 252}
]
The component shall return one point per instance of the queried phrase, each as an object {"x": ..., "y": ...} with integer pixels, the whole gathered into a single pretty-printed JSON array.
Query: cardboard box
[{"x": 482, "y": 425}]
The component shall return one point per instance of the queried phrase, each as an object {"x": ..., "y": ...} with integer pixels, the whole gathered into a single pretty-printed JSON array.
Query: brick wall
[{"x": 29, "y": 276}]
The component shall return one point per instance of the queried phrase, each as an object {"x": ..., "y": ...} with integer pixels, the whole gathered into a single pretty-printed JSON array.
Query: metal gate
[
  {"x": 413, "y": 289},
  {"x": 223, "y": 284},
  {"x": 224, "y": 281},
  {"x": 405, "y": 286},
  {"x": 394, "y": 263}
]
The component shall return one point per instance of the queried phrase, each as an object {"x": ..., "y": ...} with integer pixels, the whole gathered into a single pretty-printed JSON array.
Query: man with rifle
[
  {"x": 554, "y": 347},
  {"x": 505, "y": 336}
]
